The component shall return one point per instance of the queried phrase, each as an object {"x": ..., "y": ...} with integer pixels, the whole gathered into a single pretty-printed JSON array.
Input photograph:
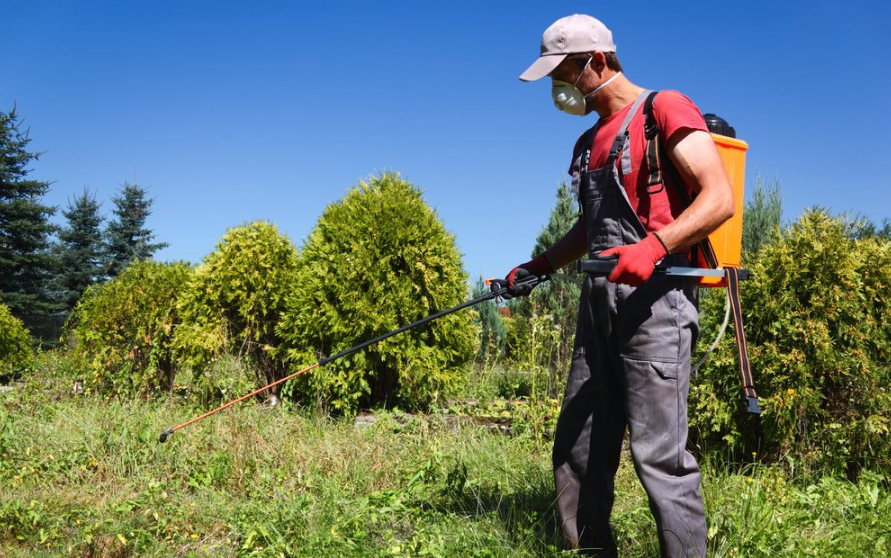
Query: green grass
[{"x": 83, "y": 476}]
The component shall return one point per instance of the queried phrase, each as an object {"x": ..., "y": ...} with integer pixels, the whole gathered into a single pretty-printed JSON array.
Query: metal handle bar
[{"x": 605, "y": 266}]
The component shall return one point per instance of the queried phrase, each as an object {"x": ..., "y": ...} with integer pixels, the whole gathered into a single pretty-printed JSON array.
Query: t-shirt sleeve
[{"x": 675, "y": 112}]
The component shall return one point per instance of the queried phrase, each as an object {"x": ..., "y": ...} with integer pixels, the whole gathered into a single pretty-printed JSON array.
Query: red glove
[
  {"x": 636, "y": 261},
  {"x": 538, "y": 266}
]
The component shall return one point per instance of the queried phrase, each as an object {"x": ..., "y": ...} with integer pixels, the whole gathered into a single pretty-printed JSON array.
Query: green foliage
[
  {"x": 563, "y": 217},
  {"x": 377, "y": 260},
  {"x": 15, "y": 343},
  {"x": 762, "y": 511},
  {"x": 818, "y": 324},
  {"x": 79, "y": 250},
  {"x": 536, "y": 346},
  {"x": 85, "y": 476},
  {"x": 25, "y": 229},
  {"x": 235, "y": 299},
  {"x": 542, "y": 326},
  {"x": 124, "y": 329},
  {"x": 866, "y": 228},
  {"x": 492, "y": 332},
  {"x": 762, "y": 216},
  {"x": 126, "y": 237}
]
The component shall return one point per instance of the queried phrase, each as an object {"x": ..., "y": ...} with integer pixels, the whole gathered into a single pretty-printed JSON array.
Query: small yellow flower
[{"x": 790, "y": 391}]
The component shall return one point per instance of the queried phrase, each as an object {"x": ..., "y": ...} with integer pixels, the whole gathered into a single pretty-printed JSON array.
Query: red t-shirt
[{"x": 673, "y": 112}]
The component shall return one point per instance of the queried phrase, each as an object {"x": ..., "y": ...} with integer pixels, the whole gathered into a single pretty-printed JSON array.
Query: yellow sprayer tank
[{"x": 727, "y": 239}]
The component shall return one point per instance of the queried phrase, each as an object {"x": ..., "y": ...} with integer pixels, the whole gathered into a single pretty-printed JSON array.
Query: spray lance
[{"x": 498, "y": 288}]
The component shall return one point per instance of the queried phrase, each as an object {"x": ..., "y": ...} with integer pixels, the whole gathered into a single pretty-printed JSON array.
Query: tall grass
[{"x": 83, "y": 476}]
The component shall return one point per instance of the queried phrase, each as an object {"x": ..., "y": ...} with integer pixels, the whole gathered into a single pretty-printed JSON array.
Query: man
[{"x": 631, "y": 359}]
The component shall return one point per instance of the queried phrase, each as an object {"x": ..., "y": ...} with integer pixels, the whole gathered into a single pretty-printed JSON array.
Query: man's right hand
[{"x": 539, "y": 266}]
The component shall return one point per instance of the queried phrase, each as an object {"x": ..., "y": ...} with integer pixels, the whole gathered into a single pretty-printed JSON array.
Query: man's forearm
[{"x": 571, "y": 247}]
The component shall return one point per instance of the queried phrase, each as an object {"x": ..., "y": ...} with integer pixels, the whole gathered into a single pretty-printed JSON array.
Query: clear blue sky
[{"x": 233, "y": 111}]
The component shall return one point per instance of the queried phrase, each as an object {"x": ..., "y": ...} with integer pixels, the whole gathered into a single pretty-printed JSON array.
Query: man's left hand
[{"x": 636, "y": 261}]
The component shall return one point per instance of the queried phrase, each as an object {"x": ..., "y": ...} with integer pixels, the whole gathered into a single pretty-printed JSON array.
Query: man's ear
[{"x": 598, "y": 61}]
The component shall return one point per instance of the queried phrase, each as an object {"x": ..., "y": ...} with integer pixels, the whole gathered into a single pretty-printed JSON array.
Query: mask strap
[
  {"x": 602, "y": 85},
  {"x": 578, "y": 79}
]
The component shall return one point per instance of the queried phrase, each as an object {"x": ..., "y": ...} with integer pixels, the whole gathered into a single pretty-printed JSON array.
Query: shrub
[
  {"x": 377, "y": 260},
  {"x": 123, "y": 329},
  {"x": 15, "y": 342},
  {"x": 234, "y": 301},
  {"x": 818, "y": 323}
]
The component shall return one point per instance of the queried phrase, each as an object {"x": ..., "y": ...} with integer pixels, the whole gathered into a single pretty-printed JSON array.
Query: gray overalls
[{"x": 630, "y": 368}]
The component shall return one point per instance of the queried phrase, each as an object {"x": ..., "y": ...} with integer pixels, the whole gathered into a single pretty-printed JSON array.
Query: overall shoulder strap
[
  {"x": 622, "y": 135},
  {"x": 620, "y": 139}
]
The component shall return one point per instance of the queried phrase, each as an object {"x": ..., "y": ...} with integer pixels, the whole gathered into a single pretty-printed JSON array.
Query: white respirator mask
[{"x": 567, "y": 96}]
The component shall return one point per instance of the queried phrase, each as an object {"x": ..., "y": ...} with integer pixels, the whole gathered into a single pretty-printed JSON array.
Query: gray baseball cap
[{"x": 569, "y": 35}]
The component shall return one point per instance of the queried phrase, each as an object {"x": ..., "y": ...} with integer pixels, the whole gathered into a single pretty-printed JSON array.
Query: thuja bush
[
  {"x": 123, "y": 329},
  {"x": 377, "y": 260},
  {"x": 234, "y": 302},
  {"x": 818, "y": 323},
  {"x": 15, "y": 343}
]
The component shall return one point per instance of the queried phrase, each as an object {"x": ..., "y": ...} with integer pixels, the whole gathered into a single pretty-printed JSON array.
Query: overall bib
[{"x": 630, "y": 370}]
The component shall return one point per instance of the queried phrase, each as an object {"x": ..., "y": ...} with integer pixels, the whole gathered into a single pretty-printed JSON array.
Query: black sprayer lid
[{"x": 718, "y": 125}]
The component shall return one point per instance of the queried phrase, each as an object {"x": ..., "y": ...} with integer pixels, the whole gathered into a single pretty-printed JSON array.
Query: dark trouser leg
[
  {"x": 668, "y": 473},
  {"x": 657, "y": 390},
  {"x": 588, "y": 443}
]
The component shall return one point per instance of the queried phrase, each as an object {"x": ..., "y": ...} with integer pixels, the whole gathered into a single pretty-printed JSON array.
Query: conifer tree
[
  {"x": 126, "y": 238},
  {"x": 25, "y": 229},
  {"x": 556, "y": 299},
  {"x": 79, "y": 249},
  {"x": 377, "y": 260},
  {"x": 563, "y": 216}
]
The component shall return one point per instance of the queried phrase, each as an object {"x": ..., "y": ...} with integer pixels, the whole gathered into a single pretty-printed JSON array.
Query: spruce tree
[
  {"x": 126, "y": 238},
  {"x": 25, "y": 229},
  {"x": 563, "y": 216},
  {"x": 557, "y": 299},
  {"x": 79, "y": 249}
]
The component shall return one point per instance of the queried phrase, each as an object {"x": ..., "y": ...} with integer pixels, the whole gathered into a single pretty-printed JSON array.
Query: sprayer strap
[
  {"x": 742, "y": 349},
  {"x": 657, "y": 161}
]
